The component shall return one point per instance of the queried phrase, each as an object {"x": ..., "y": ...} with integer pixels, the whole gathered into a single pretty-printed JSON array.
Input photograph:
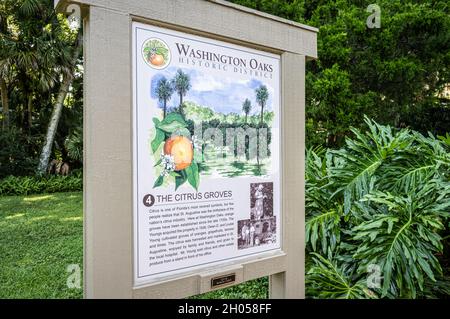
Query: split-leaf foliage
[{"x": 377, "y": 213}]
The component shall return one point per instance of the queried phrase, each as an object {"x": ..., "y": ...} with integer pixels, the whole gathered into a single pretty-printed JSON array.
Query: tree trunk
[
  {"x": 57, "y": 110},
  {"x": 246, "y": 118},
  {"x": 164, "y": 111},
  {"x": 5, "y": 103},
  {"x": 331, "y": 140},
  {"x": 181, "y": 105},
  {"x": 22, "y": 117},
  {"x": 262, "y": 114},
  {"x": 53, "y": 126}
]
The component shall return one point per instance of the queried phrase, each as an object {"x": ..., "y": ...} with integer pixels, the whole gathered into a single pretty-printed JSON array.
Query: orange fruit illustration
[
  {"x": 180, "y": 147},
  {"x": 157, "y": 59}
]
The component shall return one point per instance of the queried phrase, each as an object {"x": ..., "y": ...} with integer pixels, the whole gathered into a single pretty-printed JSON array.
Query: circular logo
[{"x": 156, "y": 53}]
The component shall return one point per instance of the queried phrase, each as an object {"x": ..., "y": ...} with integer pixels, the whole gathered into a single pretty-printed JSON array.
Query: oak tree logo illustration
[{"x": 156, "y": 53}]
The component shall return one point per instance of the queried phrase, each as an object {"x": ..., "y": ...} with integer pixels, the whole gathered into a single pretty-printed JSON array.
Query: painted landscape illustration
[{"x": 193, "y": 136}]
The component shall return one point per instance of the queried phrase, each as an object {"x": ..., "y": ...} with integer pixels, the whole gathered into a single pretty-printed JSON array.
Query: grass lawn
[{"x": 41, "y": 235}]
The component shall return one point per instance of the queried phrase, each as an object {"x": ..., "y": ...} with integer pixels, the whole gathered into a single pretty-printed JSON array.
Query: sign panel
[{"x": 206, "y": 128}]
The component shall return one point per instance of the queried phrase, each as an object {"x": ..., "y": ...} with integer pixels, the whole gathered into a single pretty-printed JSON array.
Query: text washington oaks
[
  {"x": 187, "y": 51},
  {"x": 207, "y": 59}
]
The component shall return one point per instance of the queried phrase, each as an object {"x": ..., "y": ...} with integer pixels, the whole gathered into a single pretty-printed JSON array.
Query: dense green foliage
[
  {"x": 381, "y": 204},
  {"x": 392, "y": 74},
  {"x": 18, "y": 154},
  {"x": 25, "y": 185},
  {"x": 36, "y": 47}
]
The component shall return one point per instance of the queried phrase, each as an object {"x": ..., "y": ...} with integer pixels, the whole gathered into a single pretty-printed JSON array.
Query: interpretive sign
[
  {"x": 194, "y": 147},
  {"x": 206, "y": 141}
]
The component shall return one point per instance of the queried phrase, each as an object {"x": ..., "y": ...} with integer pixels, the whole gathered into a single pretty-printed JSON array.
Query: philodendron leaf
[
  {"x": 180, "y": 179},
  {"x": 159, "y": 138},
  {"x": 193, "y": 175},
  {"x": 158, "y": 181}
]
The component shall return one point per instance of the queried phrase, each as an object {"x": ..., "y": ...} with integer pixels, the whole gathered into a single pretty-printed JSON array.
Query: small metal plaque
[{"x": 223, "y": 280}]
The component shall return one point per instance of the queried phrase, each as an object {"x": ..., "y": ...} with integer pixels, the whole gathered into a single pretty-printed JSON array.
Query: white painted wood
[
  {"x": 290, "y": 284},
  {"x": 219, "y": 18},
  {"x": 107, "y": 155}
]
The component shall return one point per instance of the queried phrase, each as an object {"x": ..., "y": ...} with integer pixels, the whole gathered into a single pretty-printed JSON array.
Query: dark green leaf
[
  {"x": 158, "y": 181},
  {"x": 193, "y": 175}
]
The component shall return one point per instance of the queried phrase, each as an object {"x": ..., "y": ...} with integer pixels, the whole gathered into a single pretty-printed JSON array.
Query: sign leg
[{"x": 291, "y": 284}]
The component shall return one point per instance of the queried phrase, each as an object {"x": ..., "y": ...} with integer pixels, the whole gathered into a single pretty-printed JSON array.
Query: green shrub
[
  {"x": 377, "y": 216},
  {"x": 18, "y": 155},
  {"x": 25, "y": 185}
]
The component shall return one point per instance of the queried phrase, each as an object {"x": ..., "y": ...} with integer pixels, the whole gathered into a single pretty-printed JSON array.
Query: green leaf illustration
[
  {"x": 158, "y": 162},
  {"x": 193, "y": 175},
  {"x": 159, "y": 138},
  {"x": 173, "y": 117},
  {"x": 158, "y": 181},
  {"x": 174, "y": 174},
  {"x": 171, "y": 123},
  {"x": 162, "y": 51},
  {"x": 171, "y": 127},
  {"x": 180, "y": 179},
  {"x": 182, "y": 132},
  {"x": 155, "y": 47}
]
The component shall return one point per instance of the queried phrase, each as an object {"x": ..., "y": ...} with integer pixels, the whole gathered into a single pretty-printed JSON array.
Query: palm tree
[
  {"x": 181, "y": 84},
  {"x": 246, "y": 107},
  {"x": 68, "y": 71},
  {"x": 262, "y": 94},
  {"x": 164, "y": 90},
  {"x": 36, "y": 54}
]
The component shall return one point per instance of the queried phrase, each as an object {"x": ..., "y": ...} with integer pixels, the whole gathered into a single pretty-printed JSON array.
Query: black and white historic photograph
[
  {"x": 253, "y": 233},
  {"x": 261, "y": 200}
]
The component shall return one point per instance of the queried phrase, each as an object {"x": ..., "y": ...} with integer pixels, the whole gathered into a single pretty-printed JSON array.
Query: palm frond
[
  {"x": 74, "y": 145},
  {"x": 30, "y": 7}
]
